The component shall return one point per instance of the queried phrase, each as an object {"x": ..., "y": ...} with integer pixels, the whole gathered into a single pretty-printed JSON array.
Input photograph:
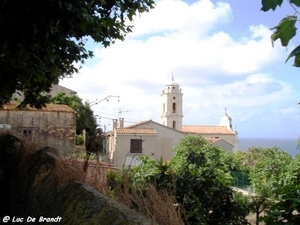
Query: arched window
[
  {"x": 174, "y": 124},
  {"x": 174, "y": 107}
]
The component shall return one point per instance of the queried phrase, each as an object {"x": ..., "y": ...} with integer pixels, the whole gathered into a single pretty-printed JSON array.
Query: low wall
[{"x": 33, "y": 188}]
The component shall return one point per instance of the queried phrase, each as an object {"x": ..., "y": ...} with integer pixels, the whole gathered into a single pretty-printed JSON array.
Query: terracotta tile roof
[
  {"x": 215, "y": 140},
  {"x": 206, "y": 129},
  {"x": 139, "y": 123},
  {"x": 49, "y": 107},
  {"x": 135, "y": 131}
]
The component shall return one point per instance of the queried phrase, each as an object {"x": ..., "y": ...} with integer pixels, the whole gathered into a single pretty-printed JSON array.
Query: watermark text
[{"x": 29, "y": 219}]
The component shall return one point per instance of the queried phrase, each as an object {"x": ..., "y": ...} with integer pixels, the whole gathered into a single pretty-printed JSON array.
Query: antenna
[
  {"x": 106, "y": 98},
  {"x": 121, "y": 111}
]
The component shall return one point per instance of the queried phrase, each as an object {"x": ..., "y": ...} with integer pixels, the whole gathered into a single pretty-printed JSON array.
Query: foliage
[
  {"x": 286, "y": 210},
  {"x": 156, "y": 172},
  {"x": 270, "y": 170},
  {"x": 286, "y": 29},
  {"x": 79, "y": 139},
  {"x": 202, "y": 175},
  {"x": 84, "y": 115},
  {"x": 193, "y": 151},
  {"x": 195, "y": 176},
  {"x": 42, "y": 41},
  {"x": 294, "y": 171},
  {"x": 233, "y": 161},
  {"x": 158, "y": 205}
]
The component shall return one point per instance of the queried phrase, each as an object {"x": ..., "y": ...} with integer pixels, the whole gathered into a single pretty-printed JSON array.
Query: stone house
[{"x": 52, "y": 126}]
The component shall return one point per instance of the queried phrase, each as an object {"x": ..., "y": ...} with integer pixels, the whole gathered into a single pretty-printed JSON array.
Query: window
[
  {"x": 174, "y": 107},
  {"x": 27, "y": 134},
  {"x": 136, "y": 146},
  {"x": 174, "y": 124}
]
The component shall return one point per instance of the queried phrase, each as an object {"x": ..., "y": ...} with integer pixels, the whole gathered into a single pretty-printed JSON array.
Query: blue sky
[{"x": 221, "y": 55}]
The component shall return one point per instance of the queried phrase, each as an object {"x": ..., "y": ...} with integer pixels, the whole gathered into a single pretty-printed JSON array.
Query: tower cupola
[{"x": 226, "y": 121}]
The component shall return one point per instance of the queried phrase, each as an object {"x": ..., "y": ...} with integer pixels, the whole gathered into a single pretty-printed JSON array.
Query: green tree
[
  {"x": 293, "y": 175},
  {"x": 193, "y": 150},
  {"x": 270, "y": 170},
  {"x": 202, "y": 175},
  {"x": 286, "y": 28},
  {"x": 41, "y": 41},
  {"x": 287, "y": 207},
  {"x": 85, "y": 118}
]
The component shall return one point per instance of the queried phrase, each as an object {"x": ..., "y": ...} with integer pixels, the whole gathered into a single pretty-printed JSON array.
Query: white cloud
[
  {"x": 214, "y": 69},
  {"x": 244, "y": 99},
  {"x": 171, "y": 16}
]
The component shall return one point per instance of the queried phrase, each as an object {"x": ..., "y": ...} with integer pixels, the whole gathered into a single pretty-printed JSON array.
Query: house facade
[
  {"x": 52, "y": 126},
  {"x": 125, "y": 145}
]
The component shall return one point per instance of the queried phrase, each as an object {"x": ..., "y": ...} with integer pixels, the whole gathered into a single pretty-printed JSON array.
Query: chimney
[
  {"x": 121, "y": 122},
  {"x": 115, "y": 122}
]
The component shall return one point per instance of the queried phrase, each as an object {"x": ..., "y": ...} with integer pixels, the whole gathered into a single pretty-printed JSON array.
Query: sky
[{"x": 221, "y": 55}]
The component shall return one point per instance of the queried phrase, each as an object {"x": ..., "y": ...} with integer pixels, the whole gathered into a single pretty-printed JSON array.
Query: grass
[{"x": 147, "y": 200}]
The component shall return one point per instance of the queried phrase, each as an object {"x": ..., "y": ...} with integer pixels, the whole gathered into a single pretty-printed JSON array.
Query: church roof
[
  {"x": 198, "y": 129},
  {"x": 135, "y": 131}
]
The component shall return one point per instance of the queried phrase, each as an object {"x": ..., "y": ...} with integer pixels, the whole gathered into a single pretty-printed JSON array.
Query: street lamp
[{"x": 106, "y": 98}]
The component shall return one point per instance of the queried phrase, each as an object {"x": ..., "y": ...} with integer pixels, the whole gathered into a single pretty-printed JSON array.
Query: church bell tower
[{"x": 172, "y": 106}]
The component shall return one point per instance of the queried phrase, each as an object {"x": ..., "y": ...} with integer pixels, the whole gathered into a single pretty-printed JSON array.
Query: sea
[{"x": 287, "y": 145}]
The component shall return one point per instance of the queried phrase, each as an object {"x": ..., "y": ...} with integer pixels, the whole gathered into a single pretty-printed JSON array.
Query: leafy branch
[{"x": 286, "y": 29}]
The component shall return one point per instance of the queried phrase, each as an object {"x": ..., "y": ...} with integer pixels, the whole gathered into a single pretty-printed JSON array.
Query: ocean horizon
[{"x": 287, "y": 145}]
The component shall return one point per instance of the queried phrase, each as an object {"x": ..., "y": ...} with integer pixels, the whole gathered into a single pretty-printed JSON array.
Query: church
[{"x": 124, "y": 145}]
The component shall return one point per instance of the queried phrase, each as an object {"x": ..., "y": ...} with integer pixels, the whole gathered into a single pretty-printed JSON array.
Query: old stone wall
[
  {"x": 47, "y": 128},
  {"x": 32, "y": 185}
]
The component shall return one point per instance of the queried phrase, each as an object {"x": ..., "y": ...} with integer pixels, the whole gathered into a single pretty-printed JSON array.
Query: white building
[{"x": 124, "y": 145}]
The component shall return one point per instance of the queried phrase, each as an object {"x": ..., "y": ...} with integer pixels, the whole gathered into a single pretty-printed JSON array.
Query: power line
[{"x": 115, "y": 118}]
